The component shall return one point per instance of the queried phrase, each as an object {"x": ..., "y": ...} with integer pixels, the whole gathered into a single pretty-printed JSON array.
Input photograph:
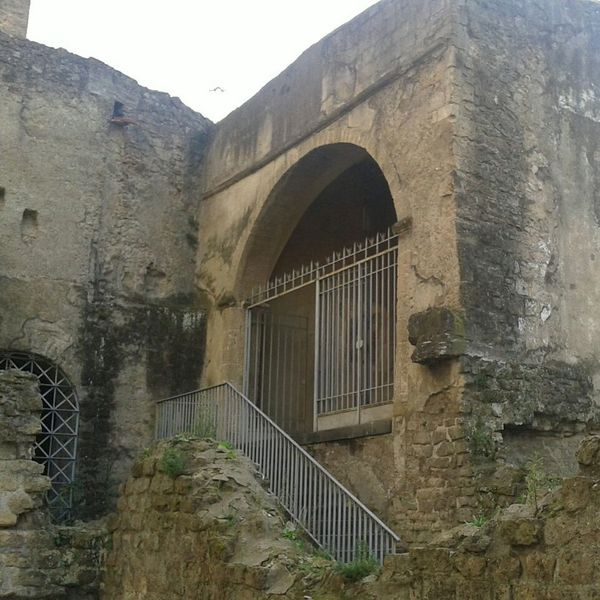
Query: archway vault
[
  {"x": 299, "y": 189},
  {"x": 321, "y": 336}
]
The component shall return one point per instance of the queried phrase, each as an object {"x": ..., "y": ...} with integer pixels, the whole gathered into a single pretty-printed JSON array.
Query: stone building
[{"x": 438, "y": 159}]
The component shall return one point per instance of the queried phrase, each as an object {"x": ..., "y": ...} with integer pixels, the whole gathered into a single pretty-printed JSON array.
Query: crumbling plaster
[{"x": 527, "y": 182}]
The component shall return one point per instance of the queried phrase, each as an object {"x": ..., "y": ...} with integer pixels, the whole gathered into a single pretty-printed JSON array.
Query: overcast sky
[{"x": 188, "y": 47}]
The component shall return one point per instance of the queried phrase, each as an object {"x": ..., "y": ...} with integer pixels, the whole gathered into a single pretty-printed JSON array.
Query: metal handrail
[{"x": 329, "y": 513}]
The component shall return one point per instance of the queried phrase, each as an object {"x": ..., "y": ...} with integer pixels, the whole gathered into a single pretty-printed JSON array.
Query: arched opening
[
  {"x": 321, "y": 334},
  {"x": 56, "y": 444}
]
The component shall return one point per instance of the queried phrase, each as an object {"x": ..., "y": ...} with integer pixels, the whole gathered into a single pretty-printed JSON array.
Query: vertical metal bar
[
  {"x": 336, "y": 324},
  {"x": 360, "y": 343},
  {"x": 372, "y": 338},
  {"x": 247, "y": 353},
  {"x": 317, "y": 356},
  {"x": 377, "y": 308},
  {"x": 284, "y": 397}
]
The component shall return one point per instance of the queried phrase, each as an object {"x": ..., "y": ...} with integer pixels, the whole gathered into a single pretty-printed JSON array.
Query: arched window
[{"x": 56, "y": 444}]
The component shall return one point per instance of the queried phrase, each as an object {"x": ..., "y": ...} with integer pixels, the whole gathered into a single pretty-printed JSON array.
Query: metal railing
[{"x": 330, "y": 514}]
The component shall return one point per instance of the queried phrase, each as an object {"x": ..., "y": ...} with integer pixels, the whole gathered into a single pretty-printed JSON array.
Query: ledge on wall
[{"x": 347, "y": 433}]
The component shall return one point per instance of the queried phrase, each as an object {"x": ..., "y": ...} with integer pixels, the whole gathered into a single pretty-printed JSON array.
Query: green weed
[
  {"x": 537, "y": 482},
  {"x": 172, "y": 462},
  {"x": 205, "y": 427},
  {"x": 481, "y": 442},
  {"x": 362, "y": 566},
  {"x": 478, "y": 520}
]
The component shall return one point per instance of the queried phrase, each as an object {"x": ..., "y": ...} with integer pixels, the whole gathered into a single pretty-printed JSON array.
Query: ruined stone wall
[
  {"x": 541, "y": 549},
  {"x": 209, "y": 530},
  {"x": 528, "y": 173},
  {"x": 14, "y": 16},
  {"x": 37, "y": 559},
  {"x": 98, "y": 224}
]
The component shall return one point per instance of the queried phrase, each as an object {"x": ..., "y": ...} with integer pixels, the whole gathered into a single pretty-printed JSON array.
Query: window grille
[
  {"x": 352, "y": 300},
  {"x": 56, "y": 444}
]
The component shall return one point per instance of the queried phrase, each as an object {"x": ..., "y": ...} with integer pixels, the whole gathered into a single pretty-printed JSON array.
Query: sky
[{"x": 189, "y": 47}]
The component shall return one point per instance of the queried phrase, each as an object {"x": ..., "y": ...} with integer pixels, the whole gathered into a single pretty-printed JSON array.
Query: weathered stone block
[
  {"x": 469, "y": 565},
  {"x": 538, "y": 566},
  {"x": 575, "y": 493},
  {"x": 437, "y": 334},
  {"x": 518, "y": 527},
  {"x": 588, "y": 455}
]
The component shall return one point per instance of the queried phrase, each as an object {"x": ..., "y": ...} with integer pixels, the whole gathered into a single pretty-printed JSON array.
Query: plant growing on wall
[
  {"x": 481, "y": 441},
  {"x": 172, "y": 462},
  {"x": 362, "y": 566}
]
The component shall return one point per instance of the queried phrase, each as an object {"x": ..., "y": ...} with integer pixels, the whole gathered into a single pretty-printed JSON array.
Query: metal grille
[
  {"x": 331, "y": 515},
  {"x": 56, "y": 445},
  {"x": 279, "y": 351},
  {"x": 353, "y": 349},
  {"x": 356, "y": 337}
]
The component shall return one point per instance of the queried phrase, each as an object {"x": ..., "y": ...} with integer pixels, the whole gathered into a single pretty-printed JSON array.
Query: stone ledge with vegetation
[{"x": 195, "y": 520}]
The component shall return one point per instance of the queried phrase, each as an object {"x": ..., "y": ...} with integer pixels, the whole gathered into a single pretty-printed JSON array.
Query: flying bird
[{"x": 217, "y": 89}]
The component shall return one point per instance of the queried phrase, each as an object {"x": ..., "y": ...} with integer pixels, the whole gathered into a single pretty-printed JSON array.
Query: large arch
[
  {"x": 335, "y": 201},
  {"x": 299, "y": 189},
  {"x": 56, "y": 444}
]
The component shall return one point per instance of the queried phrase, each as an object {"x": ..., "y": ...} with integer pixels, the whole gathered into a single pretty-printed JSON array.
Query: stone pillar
[{"x": 14, "y": 16}]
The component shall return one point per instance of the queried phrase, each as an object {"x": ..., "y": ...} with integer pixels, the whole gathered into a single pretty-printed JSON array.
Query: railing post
[{"x": 317, "y": 356}]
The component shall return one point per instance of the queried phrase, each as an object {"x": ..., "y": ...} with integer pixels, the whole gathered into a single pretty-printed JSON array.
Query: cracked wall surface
[
  {"x": 527, "y": 180},
  {"x": 99, "y": 231}
]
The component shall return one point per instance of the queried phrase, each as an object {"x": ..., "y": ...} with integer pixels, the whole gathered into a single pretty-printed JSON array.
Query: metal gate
[
  {"x": 347, "y": 351},
  {"x": 56, "y": 444}
]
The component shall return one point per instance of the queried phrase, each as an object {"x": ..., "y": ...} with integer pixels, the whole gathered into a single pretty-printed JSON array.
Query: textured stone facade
[
  {"x": 210, "y": 531},
  {"x": 381, "y": 87},
  {"x": 482, "y": 117},
  {"x": 543, "y": 549},
  {"x": 22, "y": 484},
  {"x": 14, "y": 16},
  {"x": 98, "y": 218},
  {"x": 134, "y": 230}
]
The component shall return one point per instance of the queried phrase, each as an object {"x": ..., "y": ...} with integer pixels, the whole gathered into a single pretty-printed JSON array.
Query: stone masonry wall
[
  {"x": 22, "y": 483},
  {"x": 98, "y": 200},
  {"x": 37, "y": 559},
  {"x": 528, "y": 171},
  {"x": 382, "y": 85},
  {"x": 14, "y": 16},
  {"x": 205, "y": 528},
  {"x": 546, "y": 548}
]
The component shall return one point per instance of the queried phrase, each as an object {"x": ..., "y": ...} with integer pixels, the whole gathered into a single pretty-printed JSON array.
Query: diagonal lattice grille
[{"x": 56, "y": 444}]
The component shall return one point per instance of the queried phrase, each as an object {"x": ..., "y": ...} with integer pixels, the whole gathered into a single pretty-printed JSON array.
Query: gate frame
[{"x": 313, "y": 273}]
